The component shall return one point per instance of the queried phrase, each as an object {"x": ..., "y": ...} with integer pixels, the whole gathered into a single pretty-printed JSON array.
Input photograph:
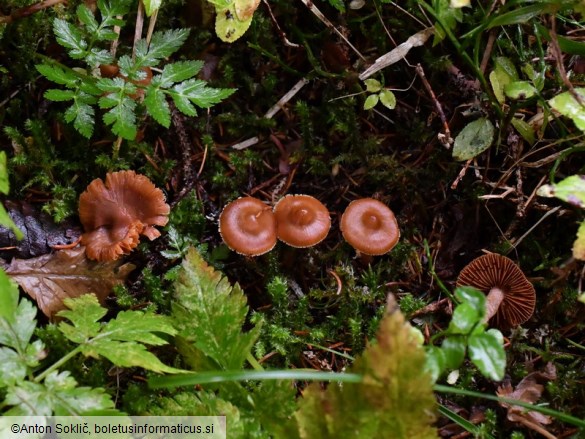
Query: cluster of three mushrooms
[{"x": 250, "y": 227}]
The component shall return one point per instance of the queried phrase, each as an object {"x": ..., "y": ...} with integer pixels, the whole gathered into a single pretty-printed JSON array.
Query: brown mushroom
[
  {"x": 248, "y": 226},
  {"x": 302, "y": 220},
  {"x": 114, "y": 214},
  {"x": 370, "y": 227},
  {"x": 510, "y": 296}
]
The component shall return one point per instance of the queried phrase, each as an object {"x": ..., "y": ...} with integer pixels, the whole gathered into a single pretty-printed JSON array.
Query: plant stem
[
  {"x": 253, "y": 362},
  {"x": 151, "y": 24},
  {"x": 492, "y": 303},
  {"x": 58, "y": 364}
]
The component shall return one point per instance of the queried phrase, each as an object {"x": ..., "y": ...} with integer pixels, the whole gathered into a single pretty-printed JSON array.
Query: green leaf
[
  {"x": 150, "y": 6},
  {"x": 197, "y": 92},
  {"x": 6, "y": 221},
  {"x": 486, "y": 351},
  {"x": 17, "y": 331},
  {"x": 179, "y": 71},
  {"x": 338, "y": 4},
  {"x": 519, "y": 90},
  {"x": 122, "y": 116},
  {"x": 58, "y": 95},
  {"x": 525, "y": 130},
  {"x": 8, "y": 297},
  {"x": 571, "y": 190},
  {"x": 454, "y": 349},
  {"x": 373, "y": 85},
  {"x": 371, "y": 102},
  {"x": 58, "y": 75},
  {"x": 579, "y": 247},
  {"x": 86, "y": 17},
  {"x": 70, "y": 37},
  {"x": 162, "y": 45},
  {"x": 394, "y": 399},
  {"x": 503, "y": 73},
  {"x": 58, "y": 395},
  {"x": 82, "y": 116},
  {"x": 227, "y": 25},
  {"x": 435, "y": 362},
  {"x": 183, "y": 104},
  {"x": 388, "y": 99},
  {"x": 473, "y": 139},
  {"x": 12, "y": 368},
  {"x": 4, "y": 182},
  {"x": 209, "y": 314},
  {"x": 121, "y": 340},
  {"x": 523, "y": 14},
  {"x": 566, "y": 104},
  {"x": 465, "y": 319},
  {"x": 474, "y": 297},
  {"x": 157, "y": 106}
]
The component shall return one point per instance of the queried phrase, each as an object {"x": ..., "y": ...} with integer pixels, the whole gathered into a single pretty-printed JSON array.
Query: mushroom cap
[
  {"x": 248, "y": 227},
  {"x": 497, "y": 271},
  {"x": 369, "y": 226},
  {"x": 116, "y": 212},
  {"x": 302, "y": 220}
]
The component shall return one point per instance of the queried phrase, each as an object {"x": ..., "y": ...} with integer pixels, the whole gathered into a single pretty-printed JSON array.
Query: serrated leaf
[
  {"x": 184, "y": 105},
  {"x": 371, "y": 102},
  {"x": 525, "y": 130},
  {"x": 179, "y": 71},
  {"x": 97, "y": 57},
  {"x": 566, "y": 104},
  {"x": 162, "y": 45},
  {"x": 157, "y": 106},
  {"x": 373, "y": 85},
  {"x": 70, "y": 37},
  {"x": 122, "y": 339},
  {"x": 486, "y": 351},
  {"x": 209, "y": 314},
  {"x": 227, "y": 25},
  {"x": 388, "y": 99},
  {"x": 17, "y": 331},
  {"x": 82, "y": 116},
  {"x": 338, "y": 4},
  {"x": 58, "y": 75},
  {"x": 519, "y": 90},
  {"x": 571, "y": 190},
  {"x": 86, "y": 17},
  {"x": 474, "y": 139},
  {"x": 12, "y": 368},
  {"x": 395, "y": 398},
  {"x": 122, "y": 117},
  {"x": 200, "y": 94},
  {"x": 54, "y": 277},
  {"x": 150, "y": 6},
  {"x": 58, "y": 95},
  {"x": 58, "y": 395}
]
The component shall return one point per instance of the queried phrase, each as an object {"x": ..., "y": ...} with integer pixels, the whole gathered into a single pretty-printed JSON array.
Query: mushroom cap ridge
[
  {"x": 302, "y": 220},
  {"x": 115, "y": 213},
  {"x": 496, "y": 271},
  {"x": 369, "y": 226},
  {"x": 248, "y": 227}
]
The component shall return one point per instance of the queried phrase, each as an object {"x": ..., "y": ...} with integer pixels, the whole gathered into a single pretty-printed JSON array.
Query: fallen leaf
[
  {"x": 528, "y": 390},
  {"x": 51, "y": 278}
]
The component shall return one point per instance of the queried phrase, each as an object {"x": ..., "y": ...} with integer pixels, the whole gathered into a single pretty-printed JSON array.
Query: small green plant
[
  {"x": 378, "y": 94},
  {"x": 467, "y": 333},
  {"x": 5, "y": 220},
  {"x": 133, "y": 87},
  {"x": 31, "y": 387}
]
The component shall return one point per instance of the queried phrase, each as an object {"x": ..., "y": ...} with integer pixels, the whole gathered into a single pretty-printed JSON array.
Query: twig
[
  {"x": 29, "y": 10},
  {"x": 138, "y": 27},
  {"x": 151, "y": 24},
  {"x": 445, "y": 138},
  {"x": 517, "y": 243},
  {"x": 280, "y": 31},
  {"x": 309, "y": 4},
  {"x": 559, "y": 58},
  {"x": 461, "y": 175}
]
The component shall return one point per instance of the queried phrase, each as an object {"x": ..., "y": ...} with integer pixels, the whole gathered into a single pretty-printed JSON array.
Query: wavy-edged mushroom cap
[
  {"x": 116, "y": 212},
  {"x": 370, "y": 227},
  {"x": 511, "y": 297},
  {"x": 248, "y": 226},
  {"x": 302, "y": 220}
]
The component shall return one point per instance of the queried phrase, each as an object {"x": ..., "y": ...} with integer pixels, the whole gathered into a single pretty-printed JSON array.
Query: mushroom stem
[{"x": 493, "y": 301}]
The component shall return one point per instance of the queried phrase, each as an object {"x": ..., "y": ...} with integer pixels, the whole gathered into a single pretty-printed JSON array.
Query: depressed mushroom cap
[
  {"x": 115, "y": 213},
  {"x": 248, "y": 226},
  {"x": 370, "y": 227},
  {"x": 497, "y": 271},
  {"x": 302, "y": 220}
]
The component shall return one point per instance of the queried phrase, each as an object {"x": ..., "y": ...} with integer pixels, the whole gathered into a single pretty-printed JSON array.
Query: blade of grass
[{"x": 462, "y": 422}]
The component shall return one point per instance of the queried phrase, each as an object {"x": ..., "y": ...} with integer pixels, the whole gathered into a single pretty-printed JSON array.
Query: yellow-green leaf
[
  {"x": 579, "y": 245},
  {"x": 245, "y": 8},
  {"x": 227, "y": 25}
]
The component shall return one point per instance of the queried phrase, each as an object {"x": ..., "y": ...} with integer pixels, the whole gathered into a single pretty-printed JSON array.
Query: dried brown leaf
[{"x": 51, "y": 278}]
